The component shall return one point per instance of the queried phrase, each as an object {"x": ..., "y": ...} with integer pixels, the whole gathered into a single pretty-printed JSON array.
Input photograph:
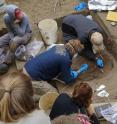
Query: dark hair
[{"x": 82, "y": 94}]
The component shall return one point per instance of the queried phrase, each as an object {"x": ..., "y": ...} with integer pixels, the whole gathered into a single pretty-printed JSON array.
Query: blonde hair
[
  {"x": 15, "y": 96},
  {"x": 73, "y": 46}
]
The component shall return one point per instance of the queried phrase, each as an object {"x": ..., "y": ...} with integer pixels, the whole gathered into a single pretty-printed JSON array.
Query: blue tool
[
  {"x": 83, "y": 68},
  {"x": 81, "y": 6},
  {"x": 74, "y": 74},
  {"x": 100, "y": 63}
]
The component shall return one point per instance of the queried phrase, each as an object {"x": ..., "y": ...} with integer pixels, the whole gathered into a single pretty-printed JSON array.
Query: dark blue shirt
[
  {"x": 64, "y": 105},
  {"x": 82, "y": 28},
  {"x": 51, "y": 63}
]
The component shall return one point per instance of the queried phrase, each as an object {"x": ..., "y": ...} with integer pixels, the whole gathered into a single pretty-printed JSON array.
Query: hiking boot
[{"x": 3, "y": 68}]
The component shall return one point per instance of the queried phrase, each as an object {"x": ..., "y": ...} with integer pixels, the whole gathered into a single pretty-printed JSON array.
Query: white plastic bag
[
  {"x": 102, "y": 4},
  {"x": 110, "y": 114},
  {"x": 29, "y": 51},
  {"x": 49, "y": 47},
  {"x": 34, "y": 48},
  {"x": 103, "y": 93},
  {"x": 101, "y": 87}
]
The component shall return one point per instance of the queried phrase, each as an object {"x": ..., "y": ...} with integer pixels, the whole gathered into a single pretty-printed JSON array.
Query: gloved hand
[
  {"x": 100, "y": 63},
  {"x": 83, "y": 68},
  {"x": 74, "y": 74}
]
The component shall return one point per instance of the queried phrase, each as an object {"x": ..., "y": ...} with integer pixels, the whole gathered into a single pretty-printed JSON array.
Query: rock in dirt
[{"x": 40, "y": 88}]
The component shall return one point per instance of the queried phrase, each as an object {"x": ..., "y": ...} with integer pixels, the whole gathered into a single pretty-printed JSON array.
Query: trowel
[{"x": 101, "y": 69}]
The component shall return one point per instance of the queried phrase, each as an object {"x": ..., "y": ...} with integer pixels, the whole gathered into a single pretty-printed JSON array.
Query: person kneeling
[{"x": 55, "y": 62}]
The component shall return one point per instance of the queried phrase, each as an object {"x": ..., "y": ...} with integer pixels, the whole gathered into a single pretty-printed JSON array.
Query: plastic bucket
[
  {"x": 48, "y": 29},
  {"x": 47, "y": 100}
]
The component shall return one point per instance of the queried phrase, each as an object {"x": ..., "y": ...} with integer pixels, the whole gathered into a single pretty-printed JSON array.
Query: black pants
[{"x": 87, "y": 53}]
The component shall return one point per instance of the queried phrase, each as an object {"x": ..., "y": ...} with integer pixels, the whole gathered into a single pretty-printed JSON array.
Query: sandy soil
[{"x": 41, "y": 9}]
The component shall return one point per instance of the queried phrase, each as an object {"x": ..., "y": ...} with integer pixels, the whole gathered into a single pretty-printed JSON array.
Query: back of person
[
  {"x": 36, "y": 117},
  {"x": 16, "y": 101},
  {"x": 48, "y": 64},
  {"x": 81, "y": 23},
  {"x": 64, "y": 105},
  {"x": 82, "y": 26}
]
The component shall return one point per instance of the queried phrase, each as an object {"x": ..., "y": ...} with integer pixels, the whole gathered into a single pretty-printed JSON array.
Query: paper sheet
[{"x": 112, "y": 16}]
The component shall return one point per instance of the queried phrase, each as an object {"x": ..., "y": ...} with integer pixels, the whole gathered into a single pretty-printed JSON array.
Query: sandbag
[{"x": 40, "y": 88}]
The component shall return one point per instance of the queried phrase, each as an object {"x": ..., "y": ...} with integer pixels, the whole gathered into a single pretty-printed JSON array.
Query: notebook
[{"x": 99, "y": 108}]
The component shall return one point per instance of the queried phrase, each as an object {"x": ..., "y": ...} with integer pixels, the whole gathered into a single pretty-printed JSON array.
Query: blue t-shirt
[{"x": 51, "y": 63}]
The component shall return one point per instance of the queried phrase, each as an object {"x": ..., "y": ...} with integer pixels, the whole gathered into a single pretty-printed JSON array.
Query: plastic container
[
  {"x": 47, "y": 100},
  {"x": 48, "y": 29}
]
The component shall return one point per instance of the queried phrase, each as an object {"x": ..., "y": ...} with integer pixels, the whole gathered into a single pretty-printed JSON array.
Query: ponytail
[
  {"x": 15, "y": 97},
  {"x": 4, "y": 108}
]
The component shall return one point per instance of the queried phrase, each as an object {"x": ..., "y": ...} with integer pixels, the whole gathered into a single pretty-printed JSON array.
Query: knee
[
  {"x": 14, "y": 44},
  {"x": 16, "y": 39},
  {"x": 6, "y": 19}
]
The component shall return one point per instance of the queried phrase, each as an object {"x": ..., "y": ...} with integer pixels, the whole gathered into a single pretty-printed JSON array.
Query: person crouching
[{"x": 55, "y": 62}]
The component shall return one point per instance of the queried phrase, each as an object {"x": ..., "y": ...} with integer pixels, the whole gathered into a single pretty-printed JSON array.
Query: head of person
[
  {"x": 14, "y": 12},
  {"x": 97, "y": 42},
  {"x": 71, "y": 119},
  {"x": 19, "y": 14},
  {"x": 74, "y": 46},
  {"x": 82, "y": 94},
  {"x": 16, "y": 96}
]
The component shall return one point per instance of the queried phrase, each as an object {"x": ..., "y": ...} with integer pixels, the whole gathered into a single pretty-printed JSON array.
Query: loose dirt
[{"x": 41, "y": 9}]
